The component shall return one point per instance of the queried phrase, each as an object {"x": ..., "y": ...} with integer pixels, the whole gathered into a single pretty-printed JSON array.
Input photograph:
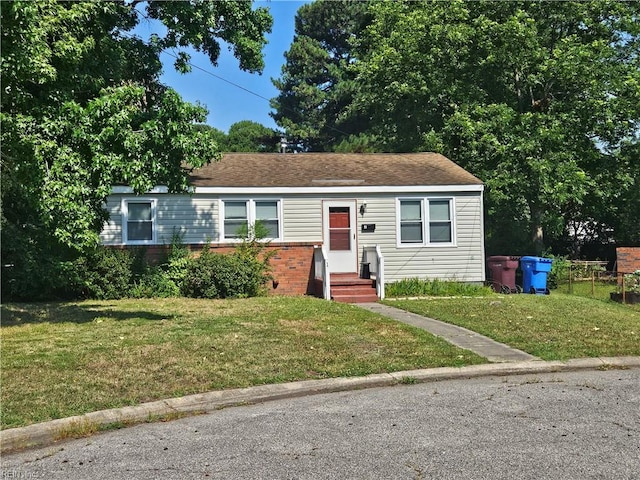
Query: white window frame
[
  {"x": 125, "y": 220},
  {"x": 223, "y": 217},
  {"x": 452, "y": 211},
  {"x": 251, "y": 216},
  {"x": 422, "y": 221},
  {"x": 426, "y": 222}
]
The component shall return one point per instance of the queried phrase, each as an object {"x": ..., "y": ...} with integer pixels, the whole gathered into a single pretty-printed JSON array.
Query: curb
[{"x": 47, "y": 433}]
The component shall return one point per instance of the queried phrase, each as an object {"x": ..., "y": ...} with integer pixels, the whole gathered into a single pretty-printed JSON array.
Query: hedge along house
[{"x": 333, "y": 218}]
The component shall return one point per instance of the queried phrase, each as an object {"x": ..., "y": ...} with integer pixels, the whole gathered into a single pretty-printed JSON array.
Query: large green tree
[
  {"x": 249, "y": 136},
  {"x": 83, "y": 109},
  {"x": 539, "y": 99},
  {"x": 245, "y": 136},
  {"x": 316, "y": 82}
]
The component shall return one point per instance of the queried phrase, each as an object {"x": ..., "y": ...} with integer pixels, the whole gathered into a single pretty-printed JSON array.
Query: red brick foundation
[{"x": 292, "y": 265}]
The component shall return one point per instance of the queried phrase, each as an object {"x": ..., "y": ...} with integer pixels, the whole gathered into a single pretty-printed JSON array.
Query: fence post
[
  {"x": 593, "y": 283},
  {"x": 624, "y": 300},
  {"x": 570, "y": 284}
]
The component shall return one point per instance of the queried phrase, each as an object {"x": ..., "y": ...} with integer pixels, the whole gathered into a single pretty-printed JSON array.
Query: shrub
[
  {"x": 631, "y": 282},
  {"x": 560, "y": 270},
  {"x": 154, "y": 283},
  {"x": 105, "y": 273},
  {"x": 254, "y": 249},
  {"x": 36, "y": 275},
  {"x": 241, "y": 274},
  {"x": 214, "y": 275},
  {"x": 178, "y": 260}
]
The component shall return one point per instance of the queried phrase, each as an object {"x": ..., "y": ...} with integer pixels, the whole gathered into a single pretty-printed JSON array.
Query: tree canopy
[
  {"x": 536, "y": 98},
  {"x": 316, "y": 83},
  {"x": 245, "y": 136},
  {"x": 83, "y": 109},
  {"x": 249, "y": 136},
  {"x": 541, "y": 100}
]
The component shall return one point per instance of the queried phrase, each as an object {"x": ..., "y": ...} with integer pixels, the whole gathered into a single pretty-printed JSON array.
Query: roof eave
[{"x": 247, "y": 190}]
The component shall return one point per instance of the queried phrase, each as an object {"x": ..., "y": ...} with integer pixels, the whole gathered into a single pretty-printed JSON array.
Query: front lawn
[
  {"x": 553, "y": 327},
  {"x": 62, "y": 359}
]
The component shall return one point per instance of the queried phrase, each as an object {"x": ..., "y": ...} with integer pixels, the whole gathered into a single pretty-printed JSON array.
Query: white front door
[{"x": 339, "y": 230}]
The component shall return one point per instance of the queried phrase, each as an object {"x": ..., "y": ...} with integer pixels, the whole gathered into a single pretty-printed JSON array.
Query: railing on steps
[
  {"x": 373, "y": 256},
  {"x": 321, "y": 270},
  {"x": 370, "y": 254}
]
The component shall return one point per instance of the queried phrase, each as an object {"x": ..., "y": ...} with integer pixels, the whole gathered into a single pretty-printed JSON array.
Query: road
[{"x": 581, "y": 425}]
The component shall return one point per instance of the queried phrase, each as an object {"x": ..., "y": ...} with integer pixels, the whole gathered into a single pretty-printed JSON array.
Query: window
[
  {"x": 267, "y": 214},
  {"x": 339, "y": 228},
  {"x": 239, "y": 214},
  {"x": 138, "y": 218},
  {"x": 235, "y": 219},
  {"x": 425, "y": 221},
  {"x": 440, "y": 221},
  {"x": 411, "y": 221}
]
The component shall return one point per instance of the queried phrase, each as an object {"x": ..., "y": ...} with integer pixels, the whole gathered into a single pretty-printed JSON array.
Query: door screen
[{"x": 339, "y": 228}]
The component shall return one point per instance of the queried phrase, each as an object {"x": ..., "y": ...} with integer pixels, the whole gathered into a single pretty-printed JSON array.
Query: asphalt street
[{"x": 572, "y": 425}]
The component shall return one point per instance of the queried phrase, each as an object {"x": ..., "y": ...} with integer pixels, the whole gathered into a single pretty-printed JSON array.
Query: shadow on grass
[{"x": 33, "y": 313}]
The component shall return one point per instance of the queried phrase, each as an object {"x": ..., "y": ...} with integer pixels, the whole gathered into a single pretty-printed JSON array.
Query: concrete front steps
[{"x": 350, "y": 288}]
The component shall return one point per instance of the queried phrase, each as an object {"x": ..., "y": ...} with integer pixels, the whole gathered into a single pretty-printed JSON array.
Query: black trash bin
[
  {"x": 503, "y": 273},
  {"x": 365, "y": 270}
]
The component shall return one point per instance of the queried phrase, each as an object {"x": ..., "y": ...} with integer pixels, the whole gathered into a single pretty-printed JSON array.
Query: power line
[
  {"x": 192, "y": 65},
  {"x": 219, "y": 77},
  {"x": 208, "y": 72}
]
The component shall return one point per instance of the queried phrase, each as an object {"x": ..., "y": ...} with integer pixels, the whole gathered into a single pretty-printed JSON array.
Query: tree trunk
[{"x": 537, "y": 232}]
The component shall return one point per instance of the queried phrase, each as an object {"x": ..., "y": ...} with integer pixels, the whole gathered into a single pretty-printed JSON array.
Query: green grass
[
  {"x": 599, "y": 289},
  {"x": 63, "y": 359},
  {"x": 554, "y": 327},
  {"x": 416, "y": 287}
]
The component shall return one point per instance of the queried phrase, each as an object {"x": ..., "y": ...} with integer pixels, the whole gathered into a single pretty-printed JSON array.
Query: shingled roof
[{"x": 331, "y": 169}]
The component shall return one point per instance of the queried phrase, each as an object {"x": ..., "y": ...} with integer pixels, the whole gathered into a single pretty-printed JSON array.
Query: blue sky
[{"x": 226, "y": 103}]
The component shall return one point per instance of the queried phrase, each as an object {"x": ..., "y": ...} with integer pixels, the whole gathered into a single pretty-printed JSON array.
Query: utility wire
[
  {"x": 208, "y": 72},
  {"x": 192, "y": 65},
  {"x": 400, "y": 154}
]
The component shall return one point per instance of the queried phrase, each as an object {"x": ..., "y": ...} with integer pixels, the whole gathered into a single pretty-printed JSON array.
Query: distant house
[{"x": 332, "y": 217}]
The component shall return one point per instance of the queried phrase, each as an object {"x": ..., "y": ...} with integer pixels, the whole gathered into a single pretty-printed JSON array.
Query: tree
[
  {"x": 316, "y": 83},
  {"x": 248, "y": 136},
  {"x": 539, "y": 99},
  {"x": 83, "y": 109}
]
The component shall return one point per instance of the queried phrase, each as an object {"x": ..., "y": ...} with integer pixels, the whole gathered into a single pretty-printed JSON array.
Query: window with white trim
[
  {"x": 425, "y": 221},
  {"x": 411, "y": 226},
  {"x": 239, "y": 214},
  {"x": 235, "y": 218},
  {"x": 138, "y": 221},
  {"x": 440, "y": 224},
  {"x": 267, "y": 214}
]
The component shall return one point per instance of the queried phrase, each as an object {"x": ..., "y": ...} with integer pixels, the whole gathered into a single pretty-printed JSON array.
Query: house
[{"x": 333, "y": 218}]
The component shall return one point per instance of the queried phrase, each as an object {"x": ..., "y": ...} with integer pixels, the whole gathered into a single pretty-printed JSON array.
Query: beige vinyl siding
[
  {"x": 380, "y": 211},
  {"x": 112, "y": 232},
  {"x": 302, "y": 217},
  {"x": 462, "y": 262},
  {"x": 196, "y": 217}
]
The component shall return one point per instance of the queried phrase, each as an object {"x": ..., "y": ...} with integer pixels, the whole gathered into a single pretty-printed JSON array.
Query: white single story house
[{"x": 333, "y": 217}]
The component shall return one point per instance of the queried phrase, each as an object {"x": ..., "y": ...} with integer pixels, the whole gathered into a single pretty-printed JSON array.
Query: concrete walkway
[{"x": 459, "y": 336}]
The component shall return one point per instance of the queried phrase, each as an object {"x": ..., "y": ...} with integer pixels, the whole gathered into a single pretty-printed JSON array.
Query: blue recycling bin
[{"x": 534, "y": 274}]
